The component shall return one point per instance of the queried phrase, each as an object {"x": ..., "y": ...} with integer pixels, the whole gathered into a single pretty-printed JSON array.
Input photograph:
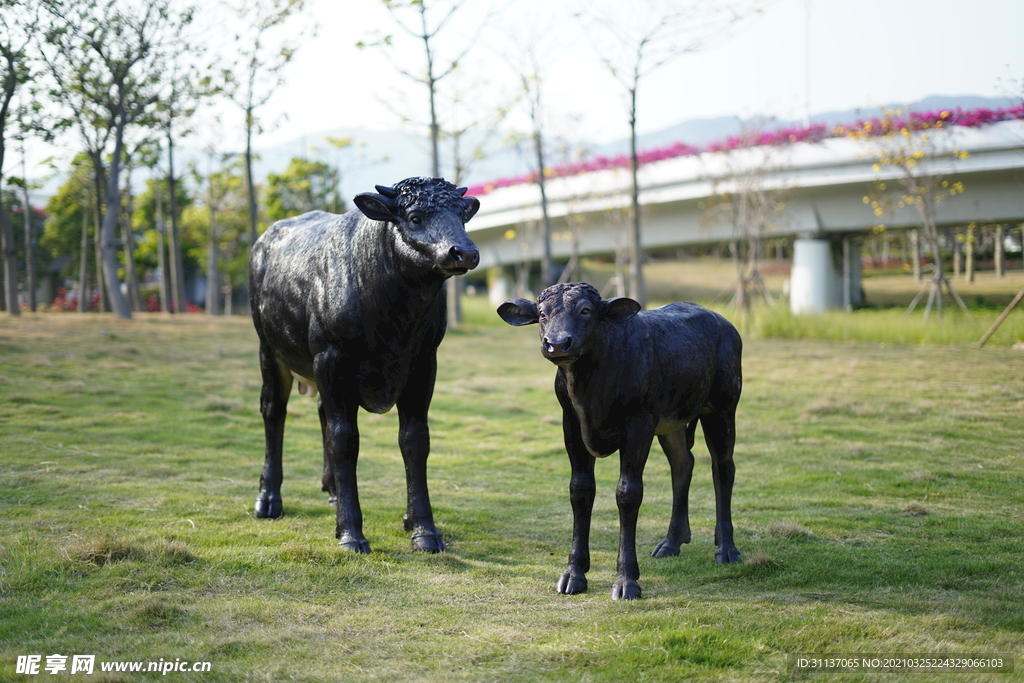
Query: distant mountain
[
  {"x": 407, "y": 155},
  {"x": 388, "y": 156}
]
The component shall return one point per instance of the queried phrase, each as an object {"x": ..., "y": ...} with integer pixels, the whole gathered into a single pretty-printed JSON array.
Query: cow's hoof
[
  {"x": 332, "y": 501},
  {"x": 362, "y": 547},
  {"x": 728, "y": 555},
  {"x": 268, "y": 505},
  {"x": 428, "y": 542},
  {"x": 625, "y": 589},
  {"x": 665, "y": 549},
  {"x": 571, "y": 584}
]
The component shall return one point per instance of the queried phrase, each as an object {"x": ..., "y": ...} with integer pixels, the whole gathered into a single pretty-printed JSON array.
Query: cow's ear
[
  {"x": 519, "y": 312},
  {"x": 376, "y": 206},
  {"x": 470, "y": 206},
  {"x": 619, "y": 309}
]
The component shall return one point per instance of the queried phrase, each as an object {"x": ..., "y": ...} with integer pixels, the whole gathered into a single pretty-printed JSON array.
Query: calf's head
[
  {"x": 429, "y": 216},
  {"x": 568, "y": 315}
]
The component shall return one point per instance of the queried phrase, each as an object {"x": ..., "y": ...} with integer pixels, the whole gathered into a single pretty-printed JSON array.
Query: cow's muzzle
[
  {"x": 459, "y": 260},
  {"x": 560, "y": 351}
]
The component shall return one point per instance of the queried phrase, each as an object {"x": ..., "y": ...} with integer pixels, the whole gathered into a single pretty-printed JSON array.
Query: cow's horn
[
  {"x": 462, "y": 190},
  {"x": 389, "y": 192}
]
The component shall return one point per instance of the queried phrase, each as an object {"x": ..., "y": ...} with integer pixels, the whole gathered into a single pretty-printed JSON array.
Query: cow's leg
[
  {"x": 339, "y": 405},
  {"x": 327, "y": 480},
  {"x": 636, "y": 445},
  {"x": 678, "y": 447},
  {"x": 277, "y": 385},
  {"x": 720, "y": 434},
  {"x": 414, "y": 442},
  {"x": 582, "y": 489}
]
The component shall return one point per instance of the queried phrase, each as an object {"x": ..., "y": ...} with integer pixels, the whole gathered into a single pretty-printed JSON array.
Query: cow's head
[
  {"x": 429, "y": 215},
  {"x": 568, "y": 315}
]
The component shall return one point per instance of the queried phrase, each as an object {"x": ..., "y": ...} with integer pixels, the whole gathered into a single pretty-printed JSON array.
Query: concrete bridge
[{"x": 824, "y": 186}]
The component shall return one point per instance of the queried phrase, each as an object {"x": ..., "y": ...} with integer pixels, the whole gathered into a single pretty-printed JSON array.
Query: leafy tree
[
  {"x": 144, "y": 221},
  {"x": 304, "y": 186},
  {"x": 66, "y": 231},
  {"x": 223, "y": 220},
  {"x": 107, "y": 59}
]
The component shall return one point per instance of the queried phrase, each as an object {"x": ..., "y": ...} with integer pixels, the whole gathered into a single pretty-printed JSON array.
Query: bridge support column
[{"x": 813, "y": 276}]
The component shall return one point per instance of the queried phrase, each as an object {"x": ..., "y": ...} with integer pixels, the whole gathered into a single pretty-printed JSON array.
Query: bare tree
[
  {"x": 528, "y": 55},
  {"x": 424, "y": 21},
  {"x": 258, "y": 72},
  {"x": 634, "y": 40},
  {"x": 751, "y": 200}
]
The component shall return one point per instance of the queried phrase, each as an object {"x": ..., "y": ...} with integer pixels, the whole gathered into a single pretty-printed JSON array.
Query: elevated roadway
[{"x": 825, "y": 184}]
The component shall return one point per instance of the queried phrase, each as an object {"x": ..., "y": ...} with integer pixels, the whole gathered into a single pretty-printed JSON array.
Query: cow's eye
[
  {"x": 585, "y": 311},
  {"x": 416, "y": 220}
]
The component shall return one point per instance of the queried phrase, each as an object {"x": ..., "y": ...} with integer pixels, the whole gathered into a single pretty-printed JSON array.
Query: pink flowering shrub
[{"x": 971, "y": 118}]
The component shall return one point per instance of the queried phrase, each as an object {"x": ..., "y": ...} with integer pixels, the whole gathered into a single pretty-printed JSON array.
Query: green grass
[{"x": 879, "y": 506}]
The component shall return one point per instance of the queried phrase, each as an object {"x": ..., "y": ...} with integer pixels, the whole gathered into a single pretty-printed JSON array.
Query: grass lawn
[{"x": 879, "y": 507}]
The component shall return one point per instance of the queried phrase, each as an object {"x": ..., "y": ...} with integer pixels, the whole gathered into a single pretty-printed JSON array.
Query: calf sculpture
[
  {"x": 625, "y": 376},
  {"x": 354, "y": 307}
]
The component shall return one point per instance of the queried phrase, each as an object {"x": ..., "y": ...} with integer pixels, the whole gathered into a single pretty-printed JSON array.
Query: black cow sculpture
[
  {"x": 624, "y": 377},
  {"x": 354, "y": 306}
]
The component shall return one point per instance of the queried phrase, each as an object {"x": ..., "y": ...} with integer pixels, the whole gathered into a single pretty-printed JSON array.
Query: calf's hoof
[
  {"x": 428, "y": 541},
  {"x": 625, "y": 589},
  {"x": 357, "y": 546},
  {"x": 268, "y": 505},
  {"x": 571, "y": 584},
  {"x": 665, "y": 549},
  {"x": 728, "y": 555}
]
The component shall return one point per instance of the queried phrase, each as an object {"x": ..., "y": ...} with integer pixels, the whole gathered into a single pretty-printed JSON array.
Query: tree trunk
[
  {"x": 113, "y": 284},
  {"x": 30, "y": 252},
  {"x": 547, "y": 269},
  {"x": 161, "y": 249},
  {"x": 915, "y": 254},
  {"x": 128, "y": 237},
  {"x": 97, "y": 221},
  {"x": 177, "y": 270},
  {"x": 10, "y": 263},
  {"x": 83, "y": 261},
  {"x": 248, "y": 177},
  {"x": 212, "y": 277},
  {"x": 636, "y": 274},
  {"x": 969, "y": 255},
  {"x": 999, "y": 251}
]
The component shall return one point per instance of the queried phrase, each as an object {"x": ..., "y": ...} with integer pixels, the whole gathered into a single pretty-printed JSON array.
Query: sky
[
  {"x": 850, "y": 54},
  {"x": 823, "y": 54}
]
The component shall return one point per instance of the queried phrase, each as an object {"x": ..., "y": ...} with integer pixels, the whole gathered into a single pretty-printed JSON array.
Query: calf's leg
[
  {"x": 678, "y": 447},
  {"x": 414, "y": 442},
  {"x": 720, "y": 434},
  {"x": 341, "y": 446},
  {"x": 628, "y": 496},
  {"x": 582, "y": 490},
  {"x": 277, "y": 385}
]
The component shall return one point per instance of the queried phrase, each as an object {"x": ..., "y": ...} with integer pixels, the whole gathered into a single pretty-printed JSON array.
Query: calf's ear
[
  {"x": 619, "y": 309},
  {"x": 519, "y": 312},
  {"x": 376, "y": 206}
]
